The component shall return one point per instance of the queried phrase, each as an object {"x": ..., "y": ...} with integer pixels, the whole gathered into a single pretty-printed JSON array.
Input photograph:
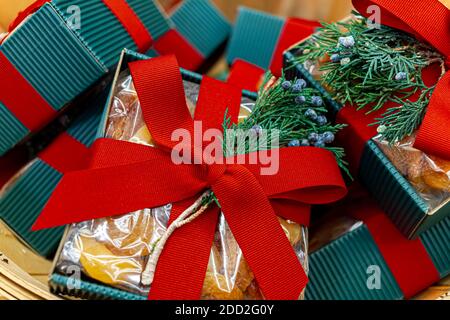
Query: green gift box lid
[
  {"x": 202, "y": 24},
  {"x": 64, "y": 48},
  {"x": 25, "y": 195},
  {"x": 341, "y": 269},
  {"x": 255, "y": 37}
]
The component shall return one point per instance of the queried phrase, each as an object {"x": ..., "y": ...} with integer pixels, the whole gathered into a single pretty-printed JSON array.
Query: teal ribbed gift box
[
  {"x": 409, "y": 211},
  {"x": 25, "y": 195},
  {"x": 61, "y": 50},
  {"x": 341, "y": 269},
  {"x": 255, "y": 36},
  {"x": 202, "y": 24}
]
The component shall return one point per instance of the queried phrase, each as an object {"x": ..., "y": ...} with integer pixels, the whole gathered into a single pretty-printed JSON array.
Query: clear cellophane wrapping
[
  {"x": 429, "y": 175},
  {"x": 114, "y": 251}
]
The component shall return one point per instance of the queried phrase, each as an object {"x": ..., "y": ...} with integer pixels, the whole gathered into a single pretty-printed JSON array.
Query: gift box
[
  {"x": 202, "y": 24},
  {"x": 358, "y": 254},
  {"x": 409, "y": 181},
  {"x": 79, "y": 41},
  {"x": 258, "y": 42},
  {"x": 117, "y": 268},
  {"x": 26, "y": 192}
]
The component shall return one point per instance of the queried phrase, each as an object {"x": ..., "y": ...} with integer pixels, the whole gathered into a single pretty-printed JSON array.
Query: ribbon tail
[
  {"x": 256, "y": 229},
  {"x": 433, "y": 136},
  {"x": 181, "y": 269}
]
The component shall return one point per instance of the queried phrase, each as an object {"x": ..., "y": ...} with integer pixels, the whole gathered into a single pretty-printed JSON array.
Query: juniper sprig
[
  {"x": 296, "y": 112},
  {"x": 367, "y": 67}
]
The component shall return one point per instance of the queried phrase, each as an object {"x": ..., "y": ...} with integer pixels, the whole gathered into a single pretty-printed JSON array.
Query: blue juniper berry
[
  {"x": 319, "y": 143},
  {"x": 347, "y": 42},
  {"x": 294, "y": 143},
  {"x": 313, "y": 137},
  {"x": 310, "y": 113},
  {"x": 335, "y": 57},
  {"x": 316, "y": 101},
  {"x": 300, "y": 99},
  {"x": 322, "y": 120},
  {"x": 305, "y": 143},
  {"x": 328, "y": 137},
  {"x": 286, "y": 85},
  {"x": 401, "y": 76},
  {"x": 257, "y": 129}
]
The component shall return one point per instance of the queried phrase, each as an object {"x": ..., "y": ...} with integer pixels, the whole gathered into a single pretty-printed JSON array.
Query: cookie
[
  {"x": 143, "y": 136},
  {"x": 217, "y": 287},
  {"x": 436, "y": 174}
]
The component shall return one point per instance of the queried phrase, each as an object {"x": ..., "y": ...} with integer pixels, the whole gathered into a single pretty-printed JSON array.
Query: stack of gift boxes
[{"x": 65, "y": 72}]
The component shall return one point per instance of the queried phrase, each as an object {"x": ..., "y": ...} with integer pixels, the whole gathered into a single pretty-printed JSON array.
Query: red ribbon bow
[
  {"x": 125, "y": 177},
  {"x": 428, "y": 20}
]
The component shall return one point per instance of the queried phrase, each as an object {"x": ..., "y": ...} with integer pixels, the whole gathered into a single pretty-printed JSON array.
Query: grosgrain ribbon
[
  {"x": 428, "y": 20},
  {"x": 131, "y": 23},
  {"x": 66, "y": 154},
  {"x": 126, "y": 177},
  {"x": 245, "y": 75},
  {"x": 21, "y": 98},
  {"x": 172, "y": 42}
]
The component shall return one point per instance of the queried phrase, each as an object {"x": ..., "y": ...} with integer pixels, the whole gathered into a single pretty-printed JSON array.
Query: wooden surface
[{"x": 23, "y": 274}]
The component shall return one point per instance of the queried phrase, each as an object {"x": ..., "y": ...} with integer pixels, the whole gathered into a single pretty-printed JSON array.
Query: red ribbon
[
  {"x": 245, "y": 75},
  {"x": 408, "y": 260},
  {"x": 125, "y": 177},
  {"x": 428, "y": 20},
  {"x": 131, "y": 23},
  {"x": 66, "y": 154},
  {"x": 21, "y": 98},
  {"x": 172, "y": 42}
]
